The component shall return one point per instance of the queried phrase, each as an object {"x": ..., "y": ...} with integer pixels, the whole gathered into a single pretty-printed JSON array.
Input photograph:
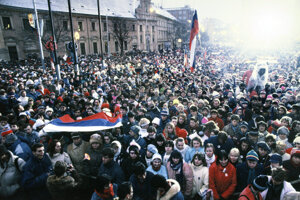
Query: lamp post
[
  {"x": 179, "y": 42},
  {"x": 107, "y": 34}
]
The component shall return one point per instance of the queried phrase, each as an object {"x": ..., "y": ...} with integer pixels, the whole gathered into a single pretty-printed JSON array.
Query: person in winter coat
[
  {"x": 61, "y": 185},
  {"x": 134, "y": 134},
  {"x": 117, "y": 147},
  {"x": 141, "y": 183},
  {"x": 263, "y": 151},
  {"x": 278, "y": 188},
  {"x": 200, "y": 171},
  {"x": 210, "y": 154},
  {"x": 131, "y": 159},
  {"x": 110, "y": 167},
  {"x": 93, "y": 156},
  {"x": 181, "y": 172},
  {"x": 76, "y": 150},
  {"x": 252, "y": 191},
  {"x": 166, "y": 189},
  {"x": 18, "y": 148},
  {"x": 247, "y": 171},
  {"x": 214, "y": 117},
  {"x": 11, "y": 167},
  {"x": 221, "y": 142},
  {"x": 105, "y": 189},
  {"x": 56, "y": 153},
  {"x": 234, "y": 156},
  {"x": 292, "y": 167},
  {"x": 180, "y": 146},
  {"x": 196, "y": 146},
  {"x": 222, "y": 177},
  {"x": 156, "y": 166},
  {"x": 233, "y": 128},
  {"x": 36, "y": 172}
]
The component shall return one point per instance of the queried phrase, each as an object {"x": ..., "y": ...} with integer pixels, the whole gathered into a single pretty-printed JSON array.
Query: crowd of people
[{"x": 215, "y": 133}]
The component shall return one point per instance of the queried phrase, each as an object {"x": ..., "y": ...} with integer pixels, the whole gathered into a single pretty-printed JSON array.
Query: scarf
[
  {"x": 107, "y": 193},
  {"x": 209, "y": 161},
  {"x": 179, "y": 176},
  {"x": 251, "y": 176}
]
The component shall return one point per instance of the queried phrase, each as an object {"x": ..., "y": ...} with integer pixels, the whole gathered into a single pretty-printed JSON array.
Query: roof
[
  {"x": 111, "y": 8},
  {"x": 164, "y": 13}
]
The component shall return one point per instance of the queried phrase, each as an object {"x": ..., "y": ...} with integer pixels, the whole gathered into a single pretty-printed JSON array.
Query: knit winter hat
[
  {"x": 152, "y": 149},
  {"x": 144, "y": 122},
  {"x": 156, "y": 121},
  {"x": 164, "y": 112},
  {"x": 283, "y": 131},
  {"x": 156, "y": 156},
  {"x": 244, "y": 124},
  {"x": 296, "y": 140},
  {"x": 276, "y": 158},
  {"x": 252, "y": 155}
]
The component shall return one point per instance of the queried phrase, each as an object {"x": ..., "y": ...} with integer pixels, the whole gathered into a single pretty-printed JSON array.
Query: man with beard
[{"x": 156, "y": 166}]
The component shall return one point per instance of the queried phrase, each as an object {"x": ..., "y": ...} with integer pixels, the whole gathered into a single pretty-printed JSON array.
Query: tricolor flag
[
  {"x": 193, "y": 40},
  {"x": 97, "y": 122}
]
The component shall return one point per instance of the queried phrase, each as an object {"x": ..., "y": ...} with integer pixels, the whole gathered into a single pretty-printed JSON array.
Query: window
[
  {"x": 80, "y": 28},
  {"x": 141, "y": 38},
  {"x": 125, "y": 45},
  {"x": 104, "y": 26},
  {"x": 65, "y": 25},
  {"x": 153, "y": 39},
  {"x": 115, "y": 27},
  {"x": 6, "y": 23},
  {"x": 82, "y": 48},
  {"x": 26, "y": 24},
  {"x": 152, "y": 28},
  {"x": 116, "y": 46},
  {"x": 133, "y": 27},
  {"x": 106, "y": 47},
  {"x": 141, "y": 27},
  {"x": 95, "y": 47},
  {"x": 147, "y": 27},
  {"x": 93, "y": 26}
]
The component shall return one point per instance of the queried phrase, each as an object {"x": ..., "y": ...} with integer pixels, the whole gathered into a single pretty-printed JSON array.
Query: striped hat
[{"x": 252, "y": 155}]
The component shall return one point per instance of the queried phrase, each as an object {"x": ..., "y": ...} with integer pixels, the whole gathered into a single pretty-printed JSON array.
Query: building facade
[{"x": 142, "y": 27}]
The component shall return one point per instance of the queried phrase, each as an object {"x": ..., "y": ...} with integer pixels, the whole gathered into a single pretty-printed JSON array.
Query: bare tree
[
  {"x": 121, "y": 32},
  {"x": 59, "y": 28}
]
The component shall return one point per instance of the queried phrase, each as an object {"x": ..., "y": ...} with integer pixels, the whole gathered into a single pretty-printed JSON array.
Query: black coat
[
  {"x": 113, "y": 170},
  {"x": 92, "y": 162},
  {"x": 293, "y": 173}
]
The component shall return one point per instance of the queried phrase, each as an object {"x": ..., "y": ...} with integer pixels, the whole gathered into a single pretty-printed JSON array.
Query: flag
[
  {"x": 193, "y": 40},
  {"x": 97, "y": 122}
]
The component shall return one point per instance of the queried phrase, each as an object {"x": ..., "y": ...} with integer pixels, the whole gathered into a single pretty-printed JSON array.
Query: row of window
[
  {"x": 7, "y": 25},
  {"x": 95, "y": 47}
]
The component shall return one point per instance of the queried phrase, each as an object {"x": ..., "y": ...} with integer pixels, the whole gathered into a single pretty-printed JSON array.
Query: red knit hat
[
  {"x": 6, "y": 131},
  {"x": 105, "y": 105}
]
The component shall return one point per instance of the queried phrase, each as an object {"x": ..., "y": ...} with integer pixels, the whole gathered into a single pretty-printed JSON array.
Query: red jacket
[
  {"x": 222, "y": 180},
  {"x": 248, "y": 195}
]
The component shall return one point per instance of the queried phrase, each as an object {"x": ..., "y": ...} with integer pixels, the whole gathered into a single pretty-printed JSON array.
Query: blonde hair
[{"x": 234, "y": 150}]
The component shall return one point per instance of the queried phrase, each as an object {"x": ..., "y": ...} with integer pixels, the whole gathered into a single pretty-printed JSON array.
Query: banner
[{"x": 97, "y": 122}]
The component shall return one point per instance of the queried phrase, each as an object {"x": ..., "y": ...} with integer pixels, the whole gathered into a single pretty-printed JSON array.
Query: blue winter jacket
[{"x": 35, "y": 176}]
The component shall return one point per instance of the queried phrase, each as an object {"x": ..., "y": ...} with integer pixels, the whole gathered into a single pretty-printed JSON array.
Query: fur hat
[{"x": 95, "y": 138}]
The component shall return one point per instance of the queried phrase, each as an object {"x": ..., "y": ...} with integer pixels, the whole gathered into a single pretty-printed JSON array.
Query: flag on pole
[
  {"x": 96, "y": 122},
  {"x": 193, "y": 40}
]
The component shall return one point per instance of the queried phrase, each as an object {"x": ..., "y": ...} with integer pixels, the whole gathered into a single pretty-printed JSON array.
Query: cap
[
  {"x": 276, "y": 158},
  {"x": 283, "y": 131},
  {"x": 75, "y": 135},
  {"x": 95, "y": 138}
]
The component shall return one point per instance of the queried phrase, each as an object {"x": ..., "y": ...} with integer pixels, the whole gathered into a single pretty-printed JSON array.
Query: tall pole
[
  {"x": 73, "y": 42},
  {"x": 54, "y": 40},
  {"x": 108, "y": 50},
  {"x": 39, "y": 36},
  {"x": 99, "y": 18}
]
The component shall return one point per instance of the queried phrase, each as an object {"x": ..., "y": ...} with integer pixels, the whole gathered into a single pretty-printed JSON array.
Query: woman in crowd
[
  {"x": 181, "y": 172},
  {"x": 56, "y": 153},
  {"x": 222, "y": 177},
  {"x": 234, "y": 156},
  {"x": 195, "y": 146},
  {"x": 200, "y": 171},
  {"x": 210, "y": 154}
]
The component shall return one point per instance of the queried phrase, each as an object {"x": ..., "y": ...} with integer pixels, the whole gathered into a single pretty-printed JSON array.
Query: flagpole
[
  {"x": 73, "y": 42},
  {"x": 39, "y": 36},
  {"x": 54, "y": 41},
  {"x": 99, "y": 19}
]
